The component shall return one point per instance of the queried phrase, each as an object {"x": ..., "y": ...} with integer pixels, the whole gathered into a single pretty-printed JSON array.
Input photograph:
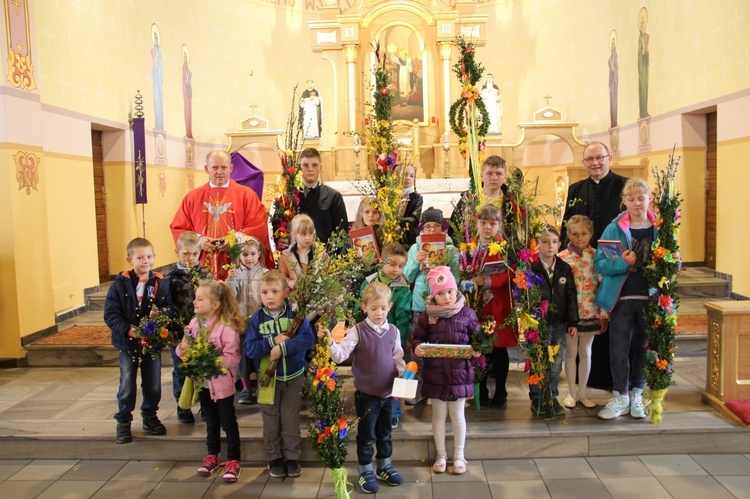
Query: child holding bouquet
[
  {"x": 218, "y": 319},
  {"x": 448, "y": 382}
]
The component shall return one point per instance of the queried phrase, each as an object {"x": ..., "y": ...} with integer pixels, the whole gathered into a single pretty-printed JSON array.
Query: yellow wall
[{"x": 73, "y": 262}]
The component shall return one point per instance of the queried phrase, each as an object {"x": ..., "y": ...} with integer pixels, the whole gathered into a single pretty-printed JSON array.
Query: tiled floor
[{"x": 657, "y": 476}]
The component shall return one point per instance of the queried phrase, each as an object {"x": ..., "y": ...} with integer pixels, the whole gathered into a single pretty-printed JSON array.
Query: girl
[
  {"x": 448, "y": 382},
  {"x": 592, "y": 320},
  {"x": 244, "y": 280},
  {"x": 369, "y": 214},
  {"x": 496, "y": 301},
  {"x": 410, "y": 209},
  {"x": 218, "y": 318},
  {"x": 293, "y": 261}
]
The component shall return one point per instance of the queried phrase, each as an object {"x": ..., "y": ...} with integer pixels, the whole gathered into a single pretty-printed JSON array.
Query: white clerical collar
[{"x": 214, "y": 186}]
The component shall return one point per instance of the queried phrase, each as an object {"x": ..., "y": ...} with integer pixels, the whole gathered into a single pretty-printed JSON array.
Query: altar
[{"x": 440, "y": 193}]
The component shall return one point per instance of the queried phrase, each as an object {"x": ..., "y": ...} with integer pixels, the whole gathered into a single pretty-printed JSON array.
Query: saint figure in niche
[
  {"x": 643, "y": 61},
  {"x": 613, "y": 79},
  {"x": 187, "y": 92},
  {"x": 157, "y": 78},
  {"x": 311, "y": 116},
  {"x": 493, "y": 102}
]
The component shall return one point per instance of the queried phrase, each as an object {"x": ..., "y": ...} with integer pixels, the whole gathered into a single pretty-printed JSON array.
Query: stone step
[{"x": 702, "y": 282}]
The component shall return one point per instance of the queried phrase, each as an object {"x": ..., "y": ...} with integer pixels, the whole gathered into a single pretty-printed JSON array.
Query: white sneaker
[
  {"x": 585, "y": 401},
  {"x": 617, "y": 406},
  {"x": 637, "y": 410},
  {"x": 569, "y": 402}
]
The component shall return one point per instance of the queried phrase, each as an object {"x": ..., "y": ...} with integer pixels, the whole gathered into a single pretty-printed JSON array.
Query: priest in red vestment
[{"x": 218, "y": 207}]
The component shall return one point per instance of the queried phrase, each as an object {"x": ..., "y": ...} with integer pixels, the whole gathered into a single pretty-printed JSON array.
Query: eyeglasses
[{"x": 591, "y": 159}]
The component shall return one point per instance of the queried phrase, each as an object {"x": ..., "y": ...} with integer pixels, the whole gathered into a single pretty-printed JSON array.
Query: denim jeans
[
  {"x": 150, "y": 385},
  {"x": 220, "y": 415},
  {"x": 557, "y": 332},
  {"x": 178, "y": 377},
  {"x": 627, "y": 345},
  {"x": 374, "y": 427}
]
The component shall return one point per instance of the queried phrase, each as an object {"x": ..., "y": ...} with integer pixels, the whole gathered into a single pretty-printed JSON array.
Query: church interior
[{"x": 226, "y": 74}]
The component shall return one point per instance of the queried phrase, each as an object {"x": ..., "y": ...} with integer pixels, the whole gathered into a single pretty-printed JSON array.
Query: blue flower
[
  {"x": 343, "y": 433},
  {"x": 149, "y": 328}
]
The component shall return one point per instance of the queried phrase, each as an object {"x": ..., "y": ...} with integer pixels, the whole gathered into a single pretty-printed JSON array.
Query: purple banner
[{"x": 139, "y": 160}]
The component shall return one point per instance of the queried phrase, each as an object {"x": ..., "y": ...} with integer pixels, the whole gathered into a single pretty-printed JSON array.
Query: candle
[
  {"x": 356, "y": 142},
  {"x": 446, "y": 140}
]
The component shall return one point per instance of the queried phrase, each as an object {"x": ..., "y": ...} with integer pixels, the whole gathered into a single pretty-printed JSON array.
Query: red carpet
[{"x": 79, "y": 335}]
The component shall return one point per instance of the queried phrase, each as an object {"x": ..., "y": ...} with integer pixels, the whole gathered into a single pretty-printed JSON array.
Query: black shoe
[
  {"x": 123, "y": 435},
  {"x": 293, "y": 468},
  {"x": 536, "y": 408},
  {"x": 152, "y": 425},
  {"x": 394, "y": 423},
  {"x": 185, "y": 415},
  {"x": 497, "y": 403},
  {"x": 277, "y": 468},
  {"x": 557, "y": 408}
]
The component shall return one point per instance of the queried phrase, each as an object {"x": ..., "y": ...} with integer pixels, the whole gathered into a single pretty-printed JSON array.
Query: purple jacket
[{"x": 447, "y": 379}]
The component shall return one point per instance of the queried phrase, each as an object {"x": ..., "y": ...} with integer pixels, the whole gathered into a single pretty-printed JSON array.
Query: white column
[
  {"x": 445, "y": 55},
  {"x": 350, "y": 54}
]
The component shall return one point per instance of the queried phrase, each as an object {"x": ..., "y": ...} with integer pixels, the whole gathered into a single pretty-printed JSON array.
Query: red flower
[{"x": 384, "y": 91}]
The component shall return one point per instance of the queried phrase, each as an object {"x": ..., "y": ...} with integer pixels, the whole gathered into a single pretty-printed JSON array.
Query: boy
[
  {"x": 559, "y": 290},
  {"x": 183, "y": 279},
  {"x": 394, "y": 258},
  {"x": 624, "y": 294},
  {"x": 378, "y": 359},
  {"x": 130, "y": 298},
  {"x": 266, "y": 337}
]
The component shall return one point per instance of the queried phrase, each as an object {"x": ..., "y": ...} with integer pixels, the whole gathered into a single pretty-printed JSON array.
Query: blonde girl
[
  {"x": 218, "y": 318},
  {"x": 369, "y": 214},
  {"x": 294, "y": 260},
  {"x": 244, "y": 280}
]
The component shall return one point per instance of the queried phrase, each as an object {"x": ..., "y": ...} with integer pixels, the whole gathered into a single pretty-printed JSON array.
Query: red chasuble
[{"x": 214, "y": 211}]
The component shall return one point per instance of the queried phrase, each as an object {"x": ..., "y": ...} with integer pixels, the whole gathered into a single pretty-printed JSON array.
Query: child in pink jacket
[{"x": 218, "y": 317}]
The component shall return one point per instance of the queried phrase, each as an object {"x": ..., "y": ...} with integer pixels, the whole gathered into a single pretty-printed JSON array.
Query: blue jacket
[
  {"x": 414, "y": 274},
  {"x": 121, "y": 310},
  {"x": 262, "y": 328},
  {"x": 615, "y": 270}
]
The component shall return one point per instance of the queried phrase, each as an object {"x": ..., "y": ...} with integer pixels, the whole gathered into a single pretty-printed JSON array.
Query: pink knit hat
[{"x": 441, "y": 278}]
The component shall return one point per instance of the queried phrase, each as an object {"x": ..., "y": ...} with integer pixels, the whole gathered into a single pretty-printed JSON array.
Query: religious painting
[
  {"x": 20, "y": 64},
  {"x": 614, "y": 79},
  {"x": 407, "y": 64},
  {"x": 157, "y": 77},
  {"x": 187, "y": 92},
  {"x": 311, "y": 112},
  {"x": 643, "y": 63}
]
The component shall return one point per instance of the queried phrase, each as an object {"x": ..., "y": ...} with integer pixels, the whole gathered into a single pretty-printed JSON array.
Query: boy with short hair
[
  {"x": 130, "y": 298},
  {"x": 266, "y": 337},
  {"x": 378, "y": 359},
  {"x": 184, "y": 277},
  {"x": 559, "y": 290},
  {"x": 391, "y": 274}
]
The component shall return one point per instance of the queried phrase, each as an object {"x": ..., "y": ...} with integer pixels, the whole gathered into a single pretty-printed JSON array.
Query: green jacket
[{"x": 400, "y": 314}]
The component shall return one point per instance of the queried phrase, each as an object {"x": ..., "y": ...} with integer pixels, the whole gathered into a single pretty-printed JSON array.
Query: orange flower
[
  {"x": 534, "y": 379},
  {"x": 660, "y": 252},
  {"x": 163, "y": 333},
  {"x": 331, "y": 384},
  {"x": 520, "y": 280},
  {"x": 662, "y": 364}
]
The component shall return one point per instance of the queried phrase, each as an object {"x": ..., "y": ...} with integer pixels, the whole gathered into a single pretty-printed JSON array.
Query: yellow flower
[
  {"x": 552, "y": 351},
  {"x": 495, "y": 248},
  {"x": 528, "y": 322}
]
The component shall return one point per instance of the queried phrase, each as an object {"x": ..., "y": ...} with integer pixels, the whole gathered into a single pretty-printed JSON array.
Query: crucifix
[
  {"x": 548, "y": 97},
  {"x": 253, "y": 106},
  {"x": 17, "y": 5}
]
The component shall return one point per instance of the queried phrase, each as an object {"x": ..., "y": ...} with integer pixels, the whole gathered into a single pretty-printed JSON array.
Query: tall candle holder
[
  {"x": 356, "y": 157},
  {"x": 446, "y": 149}
]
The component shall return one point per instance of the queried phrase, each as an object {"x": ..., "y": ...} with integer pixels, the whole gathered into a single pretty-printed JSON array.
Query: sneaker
[
  {"x": 367, "y": 482},
  {"x": 617, "y": 406},
  {"x": 389, "y": 475},
  {"x": 277, "y": 468},
  {"x": 414, "y": 401},
  {"x": 231, "y": 471},
  {"x": 245, "y": 397},
  {"x": 536, "y": 408},
  {"x": 557, "y": 408},
  {"x": 185, "y": 415},
  {"x": 587, "y": 403},
  {"x": 210, "y": 464},
  {"x": 394, "y": 423},
  {"x": 152, "y": 425},
  {"x": 293, "y": 469},
  {"x": 123, "y": 435},
  {"x": 569, "y": 402},
  {"x": 637, "y": 410}
]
